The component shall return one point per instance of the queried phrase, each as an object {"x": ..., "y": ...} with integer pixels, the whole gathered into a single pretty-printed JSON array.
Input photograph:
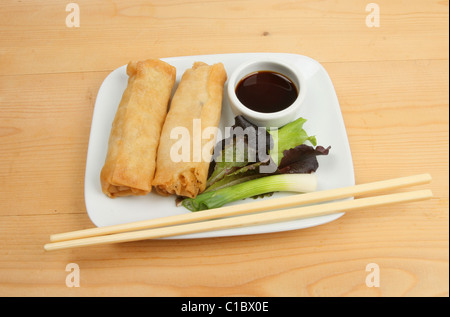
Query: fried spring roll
[
  {"x": 196, "y": 106},
  {"x": 131, "y": 158}
]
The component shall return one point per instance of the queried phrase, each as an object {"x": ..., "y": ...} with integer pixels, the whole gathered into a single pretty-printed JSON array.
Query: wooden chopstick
[
  {"x": 263, "y": 205},
  {"x": 246, "y": 220}
]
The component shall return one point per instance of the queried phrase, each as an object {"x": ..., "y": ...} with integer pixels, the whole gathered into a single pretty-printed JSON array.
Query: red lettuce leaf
[{"x": 301, "y": 159}]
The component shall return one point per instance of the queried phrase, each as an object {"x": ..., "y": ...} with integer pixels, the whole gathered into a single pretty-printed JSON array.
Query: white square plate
[{"x": 324, "y": 121}]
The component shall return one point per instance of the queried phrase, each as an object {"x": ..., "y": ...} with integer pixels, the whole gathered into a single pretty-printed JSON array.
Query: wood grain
[
  {"x": 39, "y": 41},
  {"x": 392, "y": 84}
]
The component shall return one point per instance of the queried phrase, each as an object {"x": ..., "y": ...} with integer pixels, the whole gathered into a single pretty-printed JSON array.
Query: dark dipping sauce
[{"x": 266, "y": 91}]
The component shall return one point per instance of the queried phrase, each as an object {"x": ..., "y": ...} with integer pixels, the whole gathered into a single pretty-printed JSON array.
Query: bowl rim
[{"x": 236, "y": 77}]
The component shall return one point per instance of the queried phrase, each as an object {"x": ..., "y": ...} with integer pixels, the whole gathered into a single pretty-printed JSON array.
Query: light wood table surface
[{"x": 392, "y": 84}]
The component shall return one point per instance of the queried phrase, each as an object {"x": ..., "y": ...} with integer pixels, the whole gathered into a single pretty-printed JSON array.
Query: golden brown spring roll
[
  {"x": 131, "y": 159},
  {"x": 196, "y": 106}
]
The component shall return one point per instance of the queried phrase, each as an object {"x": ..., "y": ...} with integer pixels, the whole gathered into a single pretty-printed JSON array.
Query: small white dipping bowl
[{"x": 262, "y": 119}]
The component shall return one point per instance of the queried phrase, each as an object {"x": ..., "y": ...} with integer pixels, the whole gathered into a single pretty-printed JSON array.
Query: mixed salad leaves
[{"x": 253, "y": 161}]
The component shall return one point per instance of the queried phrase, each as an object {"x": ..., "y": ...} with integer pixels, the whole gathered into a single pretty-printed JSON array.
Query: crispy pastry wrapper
[
  {"x": 195, "y": 109},
  {"x": 131, "y": 158}
]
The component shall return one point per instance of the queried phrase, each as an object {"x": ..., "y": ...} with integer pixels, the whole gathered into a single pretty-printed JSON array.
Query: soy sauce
[{"x": 266, "y": 91}]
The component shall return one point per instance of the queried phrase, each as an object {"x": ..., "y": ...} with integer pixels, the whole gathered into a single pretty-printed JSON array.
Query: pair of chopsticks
[{"x": 195, "y": 222}]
